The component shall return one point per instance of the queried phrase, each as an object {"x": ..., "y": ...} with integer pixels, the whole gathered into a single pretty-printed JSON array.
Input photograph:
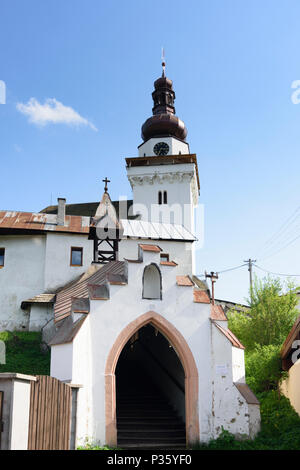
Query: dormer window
[{"x": 2, "y": 255}]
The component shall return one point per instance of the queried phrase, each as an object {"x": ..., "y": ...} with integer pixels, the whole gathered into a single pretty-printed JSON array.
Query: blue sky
[{"x": 232, "y": 63}]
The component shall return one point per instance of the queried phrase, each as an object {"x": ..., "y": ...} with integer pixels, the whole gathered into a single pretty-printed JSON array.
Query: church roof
[
  {"x": 12, "y": 222},
  {"x": 89, "y": 209},
  {"x": 26, "y": 222},
  {"x": 79, "y": 289}
]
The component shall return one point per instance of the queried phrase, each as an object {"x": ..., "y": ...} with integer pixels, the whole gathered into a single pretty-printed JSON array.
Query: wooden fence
[{"x": 49, "y": 414}]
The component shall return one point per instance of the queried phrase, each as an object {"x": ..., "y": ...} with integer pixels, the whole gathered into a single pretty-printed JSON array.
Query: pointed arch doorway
[{"x": 153, "y": 321}]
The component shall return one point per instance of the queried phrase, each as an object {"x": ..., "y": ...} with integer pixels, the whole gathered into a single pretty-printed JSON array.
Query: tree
[{"x": 271, "y": 314}]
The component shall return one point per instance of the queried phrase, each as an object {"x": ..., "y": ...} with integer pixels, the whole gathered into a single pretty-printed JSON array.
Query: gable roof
[
  {"x": 291, "y": 337},
  {"x": 88, "y": 209}
]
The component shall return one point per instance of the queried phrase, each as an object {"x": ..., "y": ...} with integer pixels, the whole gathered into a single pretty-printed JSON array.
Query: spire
[
  {"x": 163, "y": 63},
  {"x": 163, "y": 123}
]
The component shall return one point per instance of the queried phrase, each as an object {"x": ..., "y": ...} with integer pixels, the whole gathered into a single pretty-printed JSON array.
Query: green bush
[
  {"x": 24, "y": 353},
  {"x": 263, "y": 368}
]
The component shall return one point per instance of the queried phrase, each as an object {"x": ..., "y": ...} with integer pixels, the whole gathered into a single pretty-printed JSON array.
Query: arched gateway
[{"x": 184, "y": 353}]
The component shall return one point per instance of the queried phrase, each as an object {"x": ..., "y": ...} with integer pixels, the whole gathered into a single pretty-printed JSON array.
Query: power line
[
  {"x": 276, "y": 274},
  {"x": 281, "y": 248},
  {"x": 290, "y": 220},
  {"x": 225, "y": 270}
]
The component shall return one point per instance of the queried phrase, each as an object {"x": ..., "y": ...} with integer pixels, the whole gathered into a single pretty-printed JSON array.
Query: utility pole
[
  {"x": 213, "y": 277},
  {"x": 250, "y": 264}
]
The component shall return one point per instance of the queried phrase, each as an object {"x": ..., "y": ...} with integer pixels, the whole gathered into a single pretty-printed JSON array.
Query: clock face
[{"x": 161, "y": 148}]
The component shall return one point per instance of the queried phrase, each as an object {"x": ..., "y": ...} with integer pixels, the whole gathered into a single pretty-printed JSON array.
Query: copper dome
[{"x": 164, "y": 125}]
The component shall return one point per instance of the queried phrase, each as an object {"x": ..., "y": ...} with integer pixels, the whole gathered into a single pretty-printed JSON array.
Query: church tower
[{"x": 164, "y": 177}]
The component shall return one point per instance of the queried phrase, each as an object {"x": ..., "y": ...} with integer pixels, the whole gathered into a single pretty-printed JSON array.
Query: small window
[
  {"x": 76, "y": 256},
  {"x": 165, "y": 197},
  {"x": 2, "y": 253},
  {"x": 159, "y": 197},
  {"x": 152, "y": 282},
  {"x": 164, "y": 257}
]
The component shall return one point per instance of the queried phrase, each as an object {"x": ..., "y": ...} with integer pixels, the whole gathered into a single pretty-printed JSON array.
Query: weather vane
[
  {"x": 106, "y": 181},
  {"x": 163, "y": 61}
]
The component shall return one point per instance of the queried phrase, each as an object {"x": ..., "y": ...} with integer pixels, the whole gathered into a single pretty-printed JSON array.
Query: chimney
[{"x": 61, "y": 211}]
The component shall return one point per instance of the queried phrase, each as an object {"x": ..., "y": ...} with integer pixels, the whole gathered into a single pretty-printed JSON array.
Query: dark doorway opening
[{"x": 150, "y": 393}]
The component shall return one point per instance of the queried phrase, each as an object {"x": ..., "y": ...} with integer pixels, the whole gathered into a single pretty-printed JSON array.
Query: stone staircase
[{"x": 146, "y": 420}]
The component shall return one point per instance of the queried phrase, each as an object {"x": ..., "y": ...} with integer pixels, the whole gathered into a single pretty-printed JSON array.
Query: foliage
[
  {"x": 24, "y": 353},
  {"x": 280, "y": 428},
  {"x": 270, "y": 317},
  {"x": 93, "y": 445},
  {"x": 263, "y": 368}
]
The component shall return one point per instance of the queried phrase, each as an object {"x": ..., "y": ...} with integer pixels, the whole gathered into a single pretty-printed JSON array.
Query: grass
[{"x": 24, "y": 353}]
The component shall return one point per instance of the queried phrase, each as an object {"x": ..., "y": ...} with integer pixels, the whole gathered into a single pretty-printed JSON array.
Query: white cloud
[{"x": 52, "y": 111}]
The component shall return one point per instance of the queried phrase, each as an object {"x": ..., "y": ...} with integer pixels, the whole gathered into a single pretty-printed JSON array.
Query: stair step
[
  {"x": 145, "y": 440},
  {"x": 149, "y": 426}
]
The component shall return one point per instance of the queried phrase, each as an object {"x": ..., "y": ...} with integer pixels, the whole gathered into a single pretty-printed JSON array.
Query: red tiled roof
[
  {"x": 42, "y": 222},
  {"x": 201, "y": 297},
  {"x": 168, "y": 263},
  {"x": 217, "y": 313},
  {"x": 184, "y": 281},
  {"x": 153, "y": 248},
  {"x": 229, "y": 335}
]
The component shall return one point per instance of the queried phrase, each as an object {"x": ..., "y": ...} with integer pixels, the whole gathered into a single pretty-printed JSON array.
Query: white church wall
[
  {"x": 229, "y": 406},
  {"x": 238, "y": 365},
  {"x": 180, "y": 183},
  {"x": 62, "y": 362},
  {"x": 21, "y": 277},
  {"x": 106, "y": 321},
  {"x": 180, "y": 252},
  {"x": 58, "y": 254}
]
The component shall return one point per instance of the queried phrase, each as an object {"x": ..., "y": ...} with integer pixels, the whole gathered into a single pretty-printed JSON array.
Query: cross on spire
[
  {"x": 163, "y": 62},
  {"x": 106, "y": 181}
]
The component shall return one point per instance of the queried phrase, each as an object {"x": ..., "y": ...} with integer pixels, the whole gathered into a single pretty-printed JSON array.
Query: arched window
[
  {"x": 165, "y": 197},
  {"x": 152, "y": 282},
  {"x": 159, "y": 197}
]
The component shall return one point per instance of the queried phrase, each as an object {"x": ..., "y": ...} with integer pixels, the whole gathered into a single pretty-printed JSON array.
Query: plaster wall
[
  {"x": 21, "y": 277},
  {"x": 290, "y": 387}
]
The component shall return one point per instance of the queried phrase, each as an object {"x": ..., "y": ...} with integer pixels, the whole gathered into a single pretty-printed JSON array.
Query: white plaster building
[{"x": 132, "y": 323}]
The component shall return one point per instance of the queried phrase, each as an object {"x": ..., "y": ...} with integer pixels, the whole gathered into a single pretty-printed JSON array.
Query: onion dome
[{"x": 163, "y": 123}]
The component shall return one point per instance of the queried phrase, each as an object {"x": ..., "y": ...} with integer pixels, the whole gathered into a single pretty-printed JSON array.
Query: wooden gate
[{"x": 50, "y": 415}]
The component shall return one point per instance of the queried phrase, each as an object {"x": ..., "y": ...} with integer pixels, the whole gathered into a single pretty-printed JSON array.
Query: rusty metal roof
[
  {"x": 28, "y": 221},
  {"x": 96, "y": 275},
  {"x": 229, "y": 335},
  {"x": 247, "y": 393}
]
